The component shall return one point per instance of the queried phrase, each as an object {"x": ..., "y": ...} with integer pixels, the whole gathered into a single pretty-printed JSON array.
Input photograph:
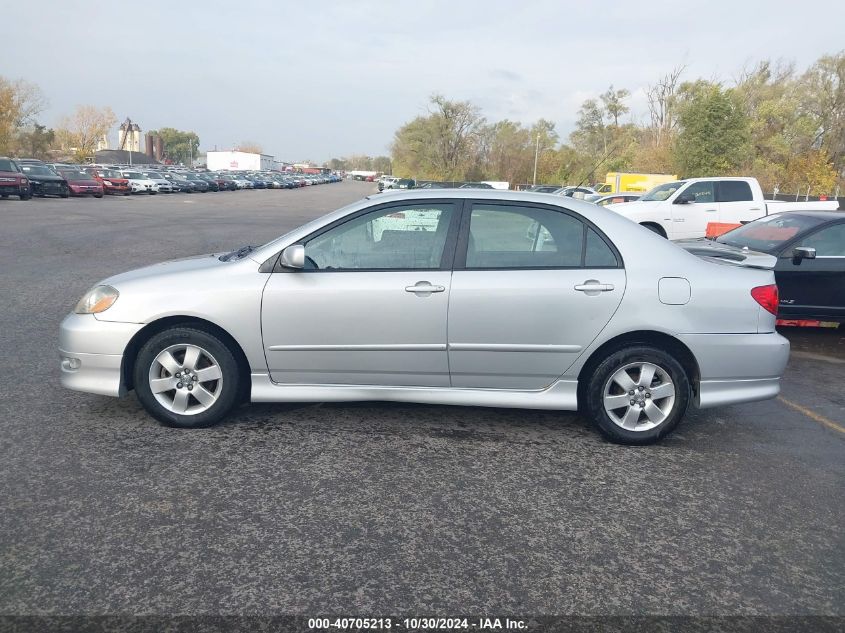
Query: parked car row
[{"x": 29, "y": 177}]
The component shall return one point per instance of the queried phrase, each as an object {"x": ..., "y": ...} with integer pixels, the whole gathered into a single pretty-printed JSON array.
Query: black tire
[
  {"x": 64, "y": 194},
  {"x": 654, "y": 228},
  {"x": 25, "y": 196},
  {"x": 98, "y": 196},
  {"x": 230, "y": 387},
  {"x": 599, "y": 380}
]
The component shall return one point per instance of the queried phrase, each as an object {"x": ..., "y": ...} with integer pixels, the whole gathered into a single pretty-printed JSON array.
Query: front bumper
[
  {"x": 49, "y": 188},
  {"x": 13, "y": 189},
  {"x": 85, "y": 190},
  {"x": 91, "y": 353},
  {"x": 737, "y": 368}
]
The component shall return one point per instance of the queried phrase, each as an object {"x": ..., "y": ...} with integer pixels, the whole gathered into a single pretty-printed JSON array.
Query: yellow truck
[{"x": 618, "y": 182}]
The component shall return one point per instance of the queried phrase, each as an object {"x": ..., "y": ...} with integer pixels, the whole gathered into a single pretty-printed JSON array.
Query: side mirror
[
  {"x": 802, "y": 252},
  {"x": 294, "y": 256},
  {"x": 685, "y": 198}
]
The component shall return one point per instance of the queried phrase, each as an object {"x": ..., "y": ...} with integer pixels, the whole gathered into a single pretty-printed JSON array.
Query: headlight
[
  {"x": 98, "y": 299},
  {"x": 107, "y": 182}
]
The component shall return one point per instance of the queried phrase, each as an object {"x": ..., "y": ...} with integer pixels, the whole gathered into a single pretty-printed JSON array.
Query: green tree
[
  {"x": 179, "y": 146},
  {"x": 508, "y": 152},
  {"x": 614, "y": 105},
  {"x": 35, "y": 141},
  {"x": 823, "y": 99},
  {"x": 713, "y": 139},
  {"x": 382, "y": 164},
  {"x": 440, "y": 146}
]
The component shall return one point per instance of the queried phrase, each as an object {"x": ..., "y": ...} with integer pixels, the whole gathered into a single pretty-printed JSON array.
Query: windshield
[
  {"x": 153, "y": 174},
  {"x": 769, "y": 234},
  {"x": 75, "y": 175},
  {"x": 38, "y": 170},
  {"x": 133, "y": 174},
  {"x": 7, "y": 165},
  {"x": 109, "y": 173},
  {"x": 662, "y": 192}
]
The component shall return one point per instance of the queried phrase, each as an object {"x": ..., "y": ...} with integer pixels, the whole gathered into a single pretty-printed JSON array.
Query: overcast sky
[{"x": 313, "y": 80}]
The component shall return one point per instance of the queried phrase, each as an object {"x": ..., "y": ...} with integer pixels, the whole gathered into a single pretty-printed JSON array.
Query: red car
[
  {"x": 12, "y": 181},
  {"x": 111, "y": 180},
  {"x": 82, "y": 183}
]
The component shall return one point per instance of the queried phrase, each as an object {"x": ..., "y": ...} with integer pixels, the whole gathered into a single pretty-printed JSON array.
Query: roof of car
[
  {"x": 825, "y": 215},
  {"x": 493, "y": 194}
]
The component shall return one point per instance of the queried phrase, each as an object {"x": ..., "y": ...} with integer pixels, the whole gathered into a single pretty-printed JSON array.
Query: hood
[
  {"x": 710, "y": 250},
  {"x": 166, "y": 269},
  {"x": 634, "y": 207},
  {"x": 85, "y": 182},
  {"x": 45, "y": 178}
]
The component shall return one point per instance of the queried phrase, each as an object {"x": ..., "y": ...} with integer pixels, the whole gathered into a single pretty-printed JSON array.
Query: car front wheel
[
  {"x": 186, "y": 378},
  {"x": 637, "y": 395}
]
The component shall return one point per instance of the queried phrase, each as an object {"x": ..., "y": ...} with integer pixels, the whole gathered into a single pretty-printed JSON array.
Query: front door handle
[
  {"x": 593, "y": 286},
  {"x": 423, "y": 288},
  {"x": 710, "y": 210}
]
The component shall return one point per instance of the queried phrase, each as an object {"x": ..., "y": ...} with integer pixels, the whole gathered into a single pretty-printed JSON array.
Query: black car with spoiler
[{"x": 810, "y": 265}]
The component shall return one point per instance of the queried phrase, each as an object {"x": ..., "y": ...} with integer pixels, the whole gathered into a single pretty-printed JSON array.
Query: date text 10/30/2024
[{"x": 417, "y": 624}]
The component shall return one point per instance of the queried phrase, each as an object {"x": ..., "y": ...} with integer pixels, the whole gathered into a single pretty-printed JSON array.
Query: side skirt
[{"x": 560, "y": 395}]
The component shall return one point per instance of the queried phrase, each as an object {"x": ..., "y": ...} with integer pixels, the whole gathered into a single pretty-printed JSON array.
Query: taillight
[{"x": 766, "y": 296}]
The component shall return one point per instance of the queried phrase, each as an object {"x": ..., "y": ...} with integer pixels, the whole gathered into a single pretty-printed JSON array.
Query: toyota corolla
[{"x": 460, "y": 297}]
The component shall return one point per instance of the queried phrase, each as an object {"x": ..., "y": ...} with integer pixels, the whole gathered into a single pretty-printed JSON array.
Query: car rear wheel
[
  {"x": 654, "y": 228},
  {"x": 637, "y": 395},
  {"x": 186, "y": 378}
]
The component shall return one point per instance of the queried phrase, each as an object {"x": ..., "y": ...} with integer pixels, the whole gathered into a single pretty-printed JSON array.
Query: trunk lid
[{"x": 727, "y": 254}]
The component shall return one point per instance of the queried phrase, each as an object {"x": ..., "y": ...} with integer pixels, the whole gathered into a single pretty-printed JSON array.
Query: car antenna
[{"x": 597, "y": 165}]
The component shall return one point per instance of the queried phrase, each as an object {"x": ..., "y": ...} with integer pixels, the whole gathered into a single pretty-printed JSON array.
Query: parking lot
[{"x": 381, "y": 508}]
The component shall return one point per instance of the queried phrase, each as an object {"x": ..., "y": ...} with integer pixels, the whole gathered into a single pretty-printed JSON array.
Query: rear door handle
[
  {"x": 424, "y": 287},
  {"x": 710, "y": 210},
  {"x": 594, "y": 287}
]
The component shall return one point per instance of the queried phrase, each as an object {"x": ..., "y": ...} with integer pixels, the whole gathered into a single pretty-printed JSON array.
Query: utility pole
[{"x": 536, "y": 155}]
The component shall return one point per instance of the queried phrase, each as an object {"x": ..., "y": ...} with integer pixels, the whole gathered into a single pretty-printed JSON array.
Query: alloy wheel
[
  {"x": 639, "y": 396},
  {"x": 185, "y": 379}
]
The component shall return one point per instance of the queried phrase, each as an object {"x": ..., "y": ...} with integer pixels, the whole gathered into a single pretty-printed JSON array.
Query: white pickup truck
[{"x": 684, "y": 208}]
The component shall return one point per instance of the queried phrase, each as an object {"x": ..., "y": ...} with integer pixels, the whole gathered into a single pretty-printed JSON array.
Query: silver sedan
[{"x": 458, "y": 297}]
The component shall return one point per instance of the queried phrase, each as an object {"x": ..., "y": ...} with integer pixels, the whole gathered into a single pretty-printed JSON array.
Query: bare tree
[
  {"x": 662, "y": 101},
  {"x": 251, "y": 147},
  {"x": 20, "y": 103},
  {"x": 81, "y": 131}
]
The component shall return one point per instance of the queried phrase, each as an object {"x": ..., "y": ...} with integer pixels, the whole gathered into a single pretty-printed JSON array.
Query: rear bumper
[
  {"x": 91, "y": 353},
  {"x": 736, "y": 368}
]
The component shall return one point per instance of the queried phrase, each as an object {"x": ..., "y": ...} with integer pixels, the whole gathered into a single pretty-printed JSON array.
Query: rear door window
[
  {"x": 506, "y": 236},
  {"x": 734, "y": 191}
]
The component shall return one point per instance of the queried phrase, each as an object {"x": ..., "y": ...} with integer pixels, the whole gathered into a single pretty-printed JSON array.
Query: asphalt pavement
[{"x": 381, "y": 508}]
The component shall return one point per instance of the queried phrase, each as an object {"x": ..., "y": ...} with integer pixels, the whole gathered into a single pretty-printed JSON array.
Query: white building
[{"x": 238, "y": 161}]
